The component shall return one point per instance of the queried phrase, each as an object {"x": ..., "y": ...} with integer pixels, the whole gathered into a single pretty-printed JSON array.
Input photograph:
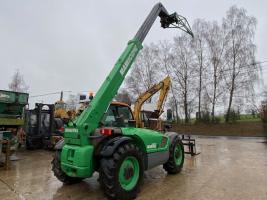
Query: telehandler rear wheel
[
  {"x": 122, "y": 174},
  {"x": 176, "y": 159},
  {"x": 61, "y": 175}
]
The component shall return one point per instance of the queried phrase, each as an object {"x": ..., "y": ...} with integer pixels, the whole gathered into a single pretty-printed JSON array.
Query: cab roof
[{"x": 119, "y": 103}]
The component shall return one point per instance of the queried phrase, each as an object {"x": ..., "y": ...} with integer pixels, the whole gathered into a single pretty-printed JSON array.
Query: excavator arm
[
  {"x": 162, "y": 96},
  {"x": 77, "y": 132},
  {"x": 163, "y": 87}
]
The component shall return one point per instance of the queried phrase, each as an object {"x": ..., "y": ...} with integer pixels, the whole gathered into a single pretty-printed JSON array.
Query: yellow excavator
[
  {"x": 61, "y": 110},
  {"x": 150, "y": 119}
]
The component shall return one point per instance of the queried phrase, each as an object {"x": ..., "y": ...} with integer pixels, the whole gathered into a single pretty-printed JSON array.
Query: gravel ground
[{"x": 228, "y": 168}]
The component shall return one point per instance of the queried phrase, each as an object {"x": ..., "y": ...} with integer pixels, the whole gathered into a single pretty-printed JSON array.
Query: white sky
[{"x": 72, "y": 45}]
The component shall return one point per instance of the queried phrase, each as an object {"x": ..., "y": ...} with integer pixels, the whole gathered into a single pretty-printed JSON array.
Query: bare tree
[
  {"x": 217, "y": 66},
  {"x": 124, "y": 96},
  {"x": 216, "y": 46},
  {"x": 165, "y": 60},
  {"x": 182, "y": 71},
  {"x": 240, "y": 53},
  {"x": 17, "y": 83},
  {"x": 144, "y": 73},
  {"x": 199, "y": 49}
]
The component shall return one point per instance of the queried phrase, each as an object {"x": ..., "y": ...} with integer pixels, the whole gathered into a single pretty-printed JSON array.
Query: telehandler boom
[{"x": 104, "y": 138}]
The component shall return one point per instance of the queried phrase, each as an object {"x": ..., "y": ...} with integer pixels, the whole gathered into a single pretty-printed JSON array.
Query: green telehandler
[{"x": 104, "y": 138}]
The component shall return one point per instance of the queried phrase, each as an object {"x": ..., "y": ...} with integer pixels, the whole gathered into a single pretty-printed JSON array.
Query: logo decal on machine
[
  {"x": 73, "y": 130},
  {"x": 152, "y": 146},
  {"x": 128, "y": 61}
]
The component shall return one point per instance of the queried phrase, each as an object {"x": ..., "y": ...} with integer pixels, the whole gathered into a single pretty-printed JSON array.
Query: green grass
[
  {"x": 249, "y": 120},
  {"x": 249, "y": 117},
  {"x": 243, "y": 118}
]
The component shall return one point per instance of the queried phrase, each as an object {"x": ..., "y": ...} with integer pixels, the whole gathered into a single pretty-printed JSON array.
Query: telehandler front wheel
[
  {"x": 59, "y": 173},
  {"x": 176, "y": 160},
  {"x": 122, "y": 174}
]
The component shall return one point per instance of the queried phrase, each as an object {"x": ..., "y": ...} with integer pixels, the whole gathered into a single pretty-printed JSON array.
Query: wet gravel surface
[{"x": 228, "y": 168}]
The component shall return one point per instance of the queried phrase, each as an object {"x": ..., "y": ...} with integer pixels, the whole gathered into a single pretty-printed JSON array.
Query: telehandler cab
[{"x": 105, "y": 139}]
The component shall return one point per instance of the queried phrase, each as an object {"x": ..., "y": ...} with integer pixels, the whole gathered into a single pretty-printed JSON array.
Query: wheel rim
[
  {"x": 178, "y": 154},
  {"x": 129, "y": 173}
]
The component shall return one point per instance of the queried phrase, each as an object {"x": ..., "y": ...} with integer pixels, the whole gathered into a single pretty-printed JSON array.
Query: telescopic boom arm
[{"x": 88, "y": 121}]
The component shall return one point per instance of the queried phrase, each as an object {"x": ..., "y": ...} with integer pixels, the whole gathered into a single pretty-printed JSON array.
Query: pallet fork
[{"x": 191, "y": 144}]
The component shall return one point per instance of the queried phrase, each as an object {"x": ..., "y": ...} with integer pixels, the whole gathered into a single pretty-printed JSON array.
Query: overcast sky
[{"x": 72, "y": 45}]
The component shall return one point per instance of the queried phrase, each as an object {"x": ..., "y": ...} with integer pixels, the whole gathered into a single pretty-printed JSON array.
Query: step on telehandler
[{"x": 106, "y": 140}]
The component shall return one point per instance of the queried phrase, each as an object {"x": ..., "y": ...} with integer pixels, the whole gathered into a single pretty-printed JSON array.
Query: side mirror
[{"x": 132, "y": 123}]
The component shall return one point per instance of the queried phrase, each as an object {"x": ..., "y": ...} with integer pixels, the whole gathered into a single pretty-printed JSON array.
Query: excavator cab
[
  {"x": 60, "y": 105},
  {"x": 150, "y": 121}
]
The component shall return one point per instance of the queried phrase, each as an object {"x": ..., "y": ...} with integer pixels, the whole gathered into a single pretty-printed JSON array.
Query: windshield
[
  {"x": 117, "y": 116},
  {"x": 60, "y": 105}
]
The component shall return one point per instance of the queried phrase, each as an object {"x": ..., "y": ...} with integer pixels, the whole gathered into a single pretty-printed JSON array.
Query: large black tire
[
  {"x": 172, "y": 166},
  {"x": 110, "y": 169},
  {"x": 61, "y": 175}
]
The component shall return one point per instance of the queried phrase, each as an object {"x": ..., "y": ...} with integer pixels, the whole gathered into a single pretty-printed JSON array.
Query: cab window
[
  {"x": 117, "y": 116},
  {"x": 125, "y": 113},
  {"x": 109, "y": 118}
]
